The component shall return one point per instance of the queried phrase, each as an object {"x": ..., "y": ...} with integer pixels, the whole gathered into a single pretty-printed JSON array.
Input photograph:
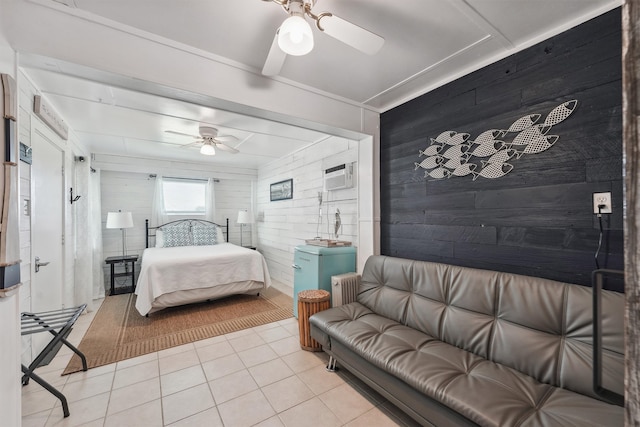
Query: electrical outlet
[{"x": 602, "y": 199}]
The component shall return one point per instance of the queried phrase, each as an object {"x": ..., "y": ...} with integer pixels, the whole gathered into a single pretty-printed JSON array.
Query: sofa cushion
[{"x": 485, "y": 392}]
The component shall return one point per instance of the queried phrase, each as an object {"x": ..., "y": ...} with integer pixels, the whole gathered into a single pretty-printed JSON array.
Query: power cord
[{"x": 600, "y": 207}]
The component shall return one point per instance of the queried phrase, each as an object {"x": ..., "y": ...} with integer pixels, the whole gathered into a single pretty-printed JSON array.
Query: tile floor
[{"x": 254, "y": 377}]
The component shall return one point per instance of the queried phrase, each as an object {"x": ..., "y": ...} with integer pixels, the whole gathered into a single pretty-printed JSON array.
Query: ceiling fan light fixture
[
  {"x": 295, "y": 36},
  {"x": 207, "y": 149}
]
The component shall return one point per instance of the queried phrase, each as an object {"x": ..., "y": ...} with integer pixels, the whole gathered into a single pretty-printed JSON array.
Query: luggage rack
[{"x": 59, "y": 324}]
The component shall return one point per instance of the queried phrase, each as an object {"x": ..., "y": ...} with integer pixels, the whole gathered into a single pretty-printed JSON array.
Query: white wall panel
[{"x": 284, "y": 224}]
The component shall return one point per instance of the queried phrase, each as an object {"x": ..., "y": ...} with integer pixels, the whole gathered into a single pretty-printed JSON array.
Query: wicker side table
[{"x": 309, "y": 303}]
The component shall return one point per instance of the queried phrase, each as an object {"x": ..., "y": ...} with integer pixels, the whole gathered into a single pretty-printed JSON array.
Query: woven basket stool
[{"x": 309, "y": 303}]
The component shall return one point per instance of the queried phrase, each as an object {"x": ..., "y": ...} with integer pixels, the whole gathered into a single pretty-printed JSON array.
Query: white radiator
[{"x": 344, "y": 288}]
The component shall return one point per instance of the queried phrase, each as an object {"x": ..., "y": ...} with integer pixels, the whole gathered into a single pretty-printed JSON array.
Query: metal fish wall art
[
  {"x": 454, "y": 153},
  {"x": 429, "y": 162},
  {"x": 561, "y": 112},
  {"x": 493, "y": 170}
]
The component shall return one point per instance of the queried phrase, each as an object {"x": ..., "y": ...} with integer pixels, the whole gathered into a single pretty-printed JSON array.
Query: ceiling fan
[
  {"x": 209, "y": 140},
  {"x": 294, "y": 37}
]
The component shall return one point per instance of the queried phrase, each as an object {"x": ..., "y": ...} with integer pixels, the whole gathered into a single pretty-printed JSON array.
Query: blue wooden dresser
[{"x": 313, "y": 267}]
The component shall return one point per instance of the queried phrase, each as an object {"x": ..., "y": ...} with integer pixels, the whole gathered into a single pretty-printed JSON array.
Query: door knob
[
  {"x": 40, "y": 264},
  {"x": 296, "y": 266}
]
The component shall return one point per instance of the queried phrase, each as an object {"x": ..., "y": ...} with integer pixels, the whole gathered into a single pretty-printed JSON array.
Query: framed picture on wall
[{"x": 282, "y": 190}]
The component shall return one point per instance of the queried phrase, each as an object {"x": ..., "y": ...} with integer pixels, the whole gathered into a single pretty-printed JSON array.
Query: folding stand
[{"x": 59, "y": 324}]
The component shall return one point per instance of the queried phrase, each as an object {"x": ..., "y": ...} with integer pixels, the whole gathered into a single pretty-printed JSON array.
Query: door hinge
[
  {"x": 63, "y": 171},
  {"x": 63, "y": 240}
]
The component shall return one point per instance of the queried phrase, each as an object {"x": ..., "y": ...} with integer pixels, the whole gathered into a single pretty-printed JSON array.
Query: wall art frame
[{"x": 281, "y": 190}]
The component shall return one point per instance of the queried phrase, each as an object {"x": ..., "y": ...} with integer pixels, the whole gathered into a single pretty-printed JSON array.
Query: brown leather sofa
[{"x": 455, "y": 346}]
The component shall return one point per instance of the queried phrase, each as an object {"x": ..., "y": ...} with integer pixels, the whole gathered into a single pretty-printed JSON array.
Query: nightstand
[{"x": 127, "y": 259}]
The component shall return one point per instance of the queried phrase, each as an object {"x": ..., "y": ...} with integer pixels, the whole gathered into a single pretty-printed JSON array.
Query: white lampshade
[
  {"x": 295, "y": 36},
  {"x": 119, "y": 220},
  {"x": 207, "y": 149},
  {"x": 244, "y": 217}
]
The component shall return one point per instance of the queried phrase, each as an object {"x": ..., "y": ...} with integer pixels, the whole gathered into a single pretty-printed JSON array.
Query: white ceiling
[{"x": 427, "y": 43}]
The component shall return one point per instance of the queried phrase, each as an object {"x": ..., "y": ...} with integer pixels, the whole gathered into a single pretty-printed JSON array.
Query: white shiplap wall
[
  {"x": 282, "y": 225},
  {"x": 133, "y": 191},
  {"x": 26, "y": 122}
]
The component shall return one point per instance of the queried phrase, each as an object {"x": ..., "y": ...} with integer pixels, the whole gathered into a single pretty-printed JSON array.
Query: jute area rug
[{"x": 119, "y": 332}]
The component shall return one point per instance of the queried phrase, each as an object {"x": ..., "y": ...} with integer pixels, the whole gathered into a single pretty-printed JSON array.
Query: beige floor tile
[
  {"x": 186, "y": 403},
  {"x": 38, "y": 401},
  {"x": 209, "y": 418},
  {"x": 135, "y": 374},
  {"x": 302, "y": 360},
  {"x": 136, "y": 360},
  {"x": 133, "y": 395},
  {"x": 94, "y": 372},
  {"x": 270, "y": 372},
  {"x": 319, "y": 380},
  {"x": 178, "y": 361},
  {"x": 209, "y": 341},
  {"x": 287, "y": 393},
  {"x": 373, "y": 418},
  {"x": 285, "y": 346},
  {"x": 265, "y": 327},
  {"x": 147, "y": 415},
  {"x": 313, "y": 409},
  {"x": 274, "y": 334},
  {"x": 176, "y": 350},
  {"x": 82, "y": 412},
  {"x": 246, "y": 342},
  {"x": 59, "y": 363},
  {"x": 90, "y": 387},
  {"x": 271, "y": 422},
  {"x": 246, "y": 410},
  {"x": 257, "y": 355},
  {"x": 240, "y": 333},
  {"x": 346, "y": 402},
  {"x": 214, "y": 351},
  {"x": 38, "y": 419},
  {"x": 53, "y": 378},
  {"x": 393, "y": 412},
  {"x": 232, "y": 386},
  {"x": 223, "y": 366},
  {"x": 182, "y": 380},
  {"x": 293, "y": 329}
]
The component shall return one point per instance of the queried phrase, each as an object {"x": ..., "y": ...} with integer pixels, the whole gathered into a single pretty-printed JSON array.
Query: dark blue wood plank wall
[{"x": 537, "y": 220}]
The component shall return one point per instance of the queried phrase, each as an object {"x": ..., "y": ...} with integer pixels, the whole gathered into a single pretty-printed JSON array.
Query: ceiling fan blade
[
  {"x": 181, "y": 133},
  {"x": 275, "y": 59},
  {"x": 224, "y": 147},
  {"x": 349, "y": 33},
  {"x": 191, "y": 144},
  {"x": 225, "y": 138}
]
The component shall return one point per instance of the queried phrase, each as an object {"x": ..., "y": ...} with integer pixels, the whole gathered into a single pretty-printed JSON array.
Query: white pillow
[{"x": 159, "y": 239}]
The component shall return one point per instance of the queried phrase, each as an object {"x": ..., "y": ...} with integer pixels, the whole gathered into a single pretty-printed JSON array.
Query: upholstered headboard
[{"x": 187, "y": 232}]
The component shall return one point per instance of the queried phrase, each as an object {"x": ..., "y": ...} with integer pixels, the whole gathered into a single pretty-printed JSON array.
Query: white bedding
[{"x": 169, "y": 271}]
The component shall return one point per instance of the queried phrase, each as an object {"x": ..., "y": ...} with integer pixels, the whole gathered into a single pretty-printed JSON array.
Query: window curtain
[
  {"x": 95, "y": 218},
  {"x": 158, "y": 214},
  {"x": 89, "y": 276},
  {"x": 210, "y": 202}
]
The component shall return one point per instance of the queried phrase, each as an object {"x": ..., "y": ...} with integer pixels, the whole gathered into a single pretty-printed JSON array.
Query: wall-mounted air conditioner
[{"x": 338, "y": 177}]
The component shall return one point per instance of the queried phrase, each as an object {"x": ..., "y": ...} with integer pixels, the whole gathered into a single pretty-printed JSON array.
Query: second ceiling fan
[
  {"x": 209, "y": 140},
  {"x": 294, "y": 37}
]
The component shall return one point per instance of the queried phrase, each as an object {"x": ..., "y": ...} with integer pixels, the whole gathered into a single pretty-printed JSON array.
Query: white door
[{"x": 46, "y": 222}]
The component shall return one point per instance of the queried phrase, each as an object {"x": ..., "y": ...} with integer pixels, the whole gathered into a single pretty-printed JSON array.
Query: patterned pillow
[
  {"x": 205, "y": 235},
  {"x": 176, "y": 236}
]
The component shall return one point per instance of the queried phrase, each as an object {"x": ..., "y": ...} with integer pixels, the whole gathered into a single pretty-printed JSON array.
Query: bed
[{"x": 192, "y": 261}]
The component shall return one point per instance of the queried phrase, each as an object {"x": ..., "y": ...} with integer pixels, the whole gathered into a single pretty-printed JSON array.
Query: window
[{"x": 184, "y": 196}]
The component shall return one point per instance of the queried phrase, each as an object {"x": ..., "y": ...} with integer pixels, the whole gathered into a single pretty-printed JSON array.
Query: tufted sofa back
[{"x": 539, "y": 327}]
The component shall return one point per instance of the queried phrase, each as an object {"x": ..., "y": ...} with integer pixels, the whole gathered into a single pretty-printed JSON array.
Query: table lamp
[{"x": 121, "y": 220}]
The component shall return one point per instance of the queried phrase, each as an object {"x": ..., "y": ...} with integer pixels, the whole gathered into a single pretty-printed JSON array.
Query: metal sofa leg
[{"x": 331, "y": 366}]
